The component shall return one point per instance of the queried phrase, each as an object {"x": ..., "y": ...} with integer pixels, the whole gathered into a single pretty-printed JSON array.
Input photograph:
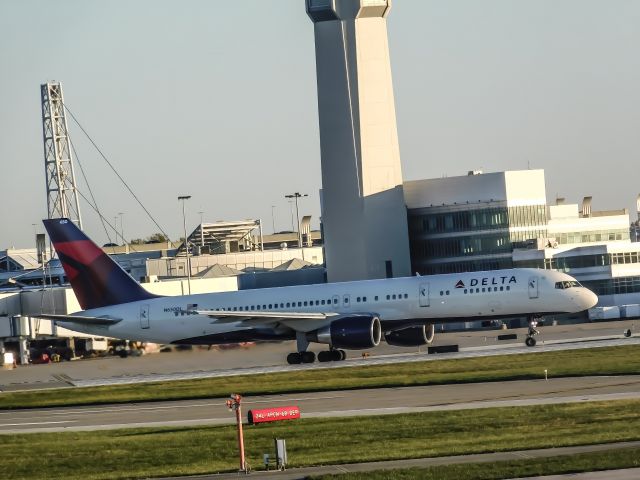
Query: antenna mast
[{"x": 62, "y": 195}]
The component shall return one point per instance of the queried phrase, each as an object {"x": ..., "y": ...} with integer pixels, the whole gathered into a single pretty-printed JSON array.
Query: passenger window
[
  {"x": 393, "y": 296},
  {"x": 335, "y": 301},
  {"x": 322, "y": 302},
  {"x": 305, "y": 303},
  {"x": 270, "y": 306},
  {"x": 318, "y": 302},
  {"x": 364, "y": 299},
  {"x": 288, "y": 304},
  {"x": 358, "y": 299},
  {"x": 465, "y": 290},
  {"x": 447, "y": 292},
  {"x": 483, "y": 289},
  {"x": 300, "y": 303},
  {"x": 406, "y": 295},
  {"x": 282, "y": 305},
  {"x": 376, "y": 298},
  {"x": 501, "y": 289},
  {"x": 388, "y": 297},
  {"x": 477, "y": 290},
  {"x": 508, "y": 287},
  {"x": 441, "y": 293}
]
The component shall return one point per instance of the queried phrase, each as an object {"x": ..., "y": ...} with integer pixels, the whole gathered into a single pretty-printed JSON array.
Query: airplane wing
[
  {"x": 299, "y": 321},
  {"x": 82, "y": 320}
]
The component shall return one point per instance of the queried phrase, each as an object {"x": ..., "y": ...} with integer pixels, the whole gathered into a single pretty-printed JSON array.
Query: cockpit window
[{"x": 567, "y": 284}]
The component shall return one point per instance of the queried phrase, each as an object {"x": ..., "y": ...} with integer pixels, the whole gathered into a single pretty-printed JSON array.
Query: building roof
[
  {"x": 214, "y": 235},
  {"x": 20, "y": 259},
  {"x": 293, "y": 264},
  {"x": 218, "y": 270}
]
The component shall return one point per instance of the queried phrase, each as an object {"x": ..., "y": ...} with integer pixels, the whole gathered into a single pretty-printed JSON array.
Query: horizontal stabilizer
[{"x": 79, "y": 319}]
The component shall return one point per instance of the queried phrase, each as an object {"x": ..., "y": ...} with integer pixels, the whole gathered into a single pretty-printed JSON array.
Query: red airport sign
[{"x": 272, "y": 414}]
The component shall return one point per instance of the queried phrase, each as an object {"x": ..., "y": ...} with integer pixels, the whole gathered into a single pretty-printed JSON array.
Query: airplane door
[
  {"x": 423, "y": 294},
  {"x": 346, "y": 301},
  {"x": 533, "y": 287},
  {"x": 144, "y": 316}
]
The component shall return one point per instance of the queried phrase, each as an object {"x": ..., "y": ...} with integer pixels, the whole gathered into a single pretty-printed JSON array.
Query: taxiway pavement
[
  {"x": 380, "y": 401},
  {"x": 269, "y": 357}
]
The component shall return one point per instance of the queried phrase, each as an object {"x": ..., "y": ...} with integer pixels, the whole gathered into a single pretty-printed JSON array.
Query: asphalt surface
[
  {"x": 381, "y": 401},
  {"x": 262, "y": 358}
]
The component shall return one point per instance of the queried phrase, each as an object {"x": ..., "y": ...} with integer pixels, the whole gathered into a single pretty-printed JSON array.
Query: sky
[{"x": 217, "y": 100}]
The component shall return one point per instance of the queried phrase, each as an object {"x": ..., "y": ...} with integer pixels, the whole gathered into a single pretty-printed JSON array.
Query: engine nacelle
[
  {"x": 412, "y": 336},
  {"x": 354, "y": 332}
]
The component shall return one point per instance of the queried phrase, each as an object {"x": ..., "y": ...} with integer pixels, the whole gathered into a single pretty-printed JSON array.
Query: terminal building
[{"x": 502, "y": 220}]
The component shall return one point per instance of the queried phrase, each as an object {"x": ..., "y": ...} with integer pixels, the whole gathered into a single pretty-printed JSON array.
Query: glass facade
[
  {"x": 594, "y": 236},
  {"x": 613, "y": 286},
  {"x": 466, "y": 266},
  {"x": 489, "y": 233},
  {"x": 566, "y": 264}
]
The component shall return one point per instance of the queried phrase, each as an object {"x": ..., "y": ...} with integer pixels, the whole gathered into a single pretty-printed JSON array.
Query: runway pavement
[
  {"x": 263, "y": 358},
  {"x": 383, "y": 401}
]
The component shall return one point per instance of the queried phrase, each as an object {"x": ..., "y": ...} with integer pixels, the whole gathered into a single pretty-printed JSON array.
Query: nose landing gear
[{"x": 530, "y": 340}]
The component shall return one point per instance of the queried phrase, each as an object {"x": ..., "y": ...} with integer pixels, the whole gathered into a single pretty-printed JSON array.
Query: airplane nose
[{"x": 589, "y": 299}]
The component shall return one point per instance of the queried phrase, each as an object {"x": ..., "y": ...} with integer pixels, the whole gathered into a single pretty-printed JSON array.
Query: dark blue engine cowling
[
  {"x": 353, "y": 332},
  {"x": 411, "y": 337}
]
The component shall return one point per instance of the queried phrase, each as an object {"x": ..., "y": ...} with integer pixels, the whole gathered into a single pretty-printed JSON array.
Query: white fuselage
[{"x": 397, "y": 302}]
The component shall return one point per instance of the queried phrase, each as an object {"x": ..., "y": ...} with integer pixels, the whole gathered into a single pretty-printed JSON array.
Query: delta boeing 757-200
[{"x": 348, "y": 315}]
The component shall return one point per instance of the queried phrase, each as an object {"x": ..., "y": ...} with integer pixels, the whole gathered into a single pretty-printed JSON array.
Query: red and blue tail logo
[{"x": 96, "y": 279}]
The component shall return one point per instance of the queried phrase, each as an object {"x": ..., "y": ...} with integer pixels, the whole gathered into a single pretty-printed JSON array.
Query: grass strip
[
  {"x": 622, "y": 360},
  {"x": 566, "y": 464},
  {"x": 153, "y": 452}
]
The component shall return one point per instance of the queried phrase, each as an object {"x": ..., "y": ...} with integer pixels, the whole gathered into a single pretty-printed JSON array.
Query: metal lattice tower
[{"x": 62, "y": 195}]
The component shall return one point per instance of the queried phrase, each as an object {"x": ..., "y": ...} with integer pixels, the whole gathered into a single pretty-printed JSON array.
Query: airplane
[{"x": 348, "y": 315}]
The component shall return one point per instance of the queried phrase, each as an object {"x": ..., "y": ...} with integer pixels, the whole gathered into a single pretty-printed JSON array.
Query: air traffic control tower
[{"x": 363, "y": 211}]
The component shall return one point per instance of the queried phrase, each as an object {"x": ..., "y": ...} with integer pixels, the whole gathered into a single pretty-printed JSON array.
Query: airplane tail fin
[{"x": 96, "y": 279}]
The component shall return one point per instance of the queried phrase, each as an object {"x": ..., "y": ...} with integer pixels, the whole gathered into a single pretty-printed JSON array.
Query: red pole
[
  {"x": 234, "y": 403},
  {"x": 243, "y": 466}
]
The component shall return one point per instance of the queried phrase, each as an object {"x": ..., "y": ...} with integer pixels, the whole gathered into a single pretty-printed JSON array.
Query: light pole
[
  {"x": 273, "y": 218},
  {"x": 182, "y": 198},
  {"x": 122, "y": 228},
  {"x": 201, "y": 230},
  {"x": 297, "y": 196}
]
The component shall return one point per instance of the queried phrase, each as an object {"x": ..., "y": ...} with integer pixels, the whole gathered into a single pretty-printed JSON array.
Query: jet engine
[
  {"x": 411, "y": 337},
  {"x": 354, "y": 332}
]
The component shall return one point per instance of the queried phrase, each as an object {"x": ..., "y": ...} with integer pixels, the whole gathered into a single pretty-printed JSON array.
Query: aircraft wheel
[
  {"x": 336, "y": 356},
  {"x": 294, "y": 358},
  {"x": 324, "y": 356},
  {"x": 530, "y": 342},
  {"x": 308, "y": 357},
  {"x": 343, "y": 355}
]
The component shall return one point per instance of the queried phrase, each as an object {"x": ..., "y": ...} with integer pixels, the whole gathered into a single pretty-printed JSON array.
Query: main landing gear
[
  {"x": 302, "y": 356},
  {"x": 332, "y": 356},
  {"x": 296, "y": 358},
  {"x": 530, "y": 340}
]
